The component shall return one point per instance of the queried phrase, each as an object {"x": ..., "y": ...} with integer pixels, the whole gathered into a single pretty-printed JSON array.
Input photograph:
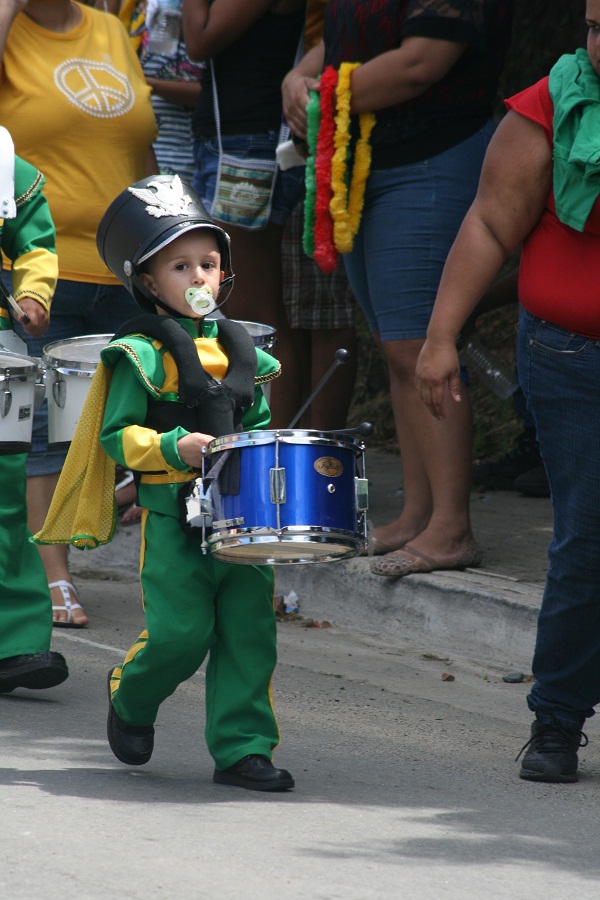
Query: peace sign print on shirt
[{"x": 95, "y": 88}]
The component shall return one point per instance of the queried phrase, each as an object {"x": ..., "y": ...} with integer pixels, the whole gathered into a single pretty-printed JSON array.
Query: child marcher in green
[
  {"x": 27, "y": 238},
  {"x": 159, "y": 241}
]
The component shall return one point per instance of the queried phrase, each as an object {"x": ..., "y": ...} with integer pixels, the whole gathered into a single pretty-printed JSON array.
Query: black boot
[
  {"x": 256, "y": 773},
  {"x": 32, "y": 670},
  {"x": 533, "y": 483},
  {"x": 551, "y": 752},
  {"x": 501, "y": 475},
  {"x": 131, "y": 744}
]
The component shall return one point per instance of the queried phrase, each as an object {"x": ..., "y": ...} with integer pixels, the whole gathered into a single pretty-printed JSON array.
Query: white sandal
[{"x": 67, "y": 589}]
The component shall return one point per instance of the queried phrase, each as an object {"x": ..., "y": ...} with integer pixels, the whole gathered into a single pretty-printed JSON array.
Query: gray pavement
[{"x": 487, "y": 613}]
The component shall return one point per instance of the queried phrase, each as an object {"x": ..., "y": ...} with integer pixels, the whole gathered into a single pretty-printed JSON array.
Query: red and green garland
[{"x": 332, "y": 209}]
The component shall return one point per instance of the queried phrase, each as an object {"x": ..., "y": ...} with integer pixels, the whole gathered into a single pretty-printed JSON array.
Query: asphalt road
[{"x": 406, "y": 785}]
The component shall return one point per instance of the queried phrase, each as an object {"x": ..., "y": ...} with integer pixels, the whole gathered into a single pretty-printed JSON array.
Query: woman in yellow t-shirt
[{"x": 73, "y": 95}]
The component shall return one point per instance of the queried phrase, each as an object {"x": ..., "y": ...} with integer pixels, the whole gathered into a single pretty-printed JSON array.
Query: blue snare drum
[{"x": 302, "y": 498}]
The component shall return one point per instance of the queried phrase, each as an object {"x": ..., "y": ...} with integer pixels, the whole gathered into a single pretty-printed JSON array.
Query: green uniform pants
[
  {"x": 196, "y": 605},
  {"x": 25, "y": 604}
]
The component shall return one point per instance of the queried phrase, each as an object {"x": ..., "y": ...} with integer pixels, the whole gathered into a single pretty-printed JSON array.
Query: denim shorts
[
  {"x": 288, "y": 186},
  {"x": 410, "y": 218},
  {"x": 78, "y": 308}
]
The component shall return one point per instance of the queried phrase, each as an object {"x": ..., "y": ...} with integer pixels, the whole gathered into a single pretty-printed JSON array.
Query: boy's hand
[
  {"x": 37, "y": 315},
  {"x": 192, "y": 448}
]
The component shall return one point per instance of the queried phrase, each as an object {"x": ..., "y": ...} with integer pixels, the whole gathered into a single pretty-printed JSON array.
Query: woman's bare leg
[
  {"x": 54, "y": 557},
  {"x": 436, "y": 462}
]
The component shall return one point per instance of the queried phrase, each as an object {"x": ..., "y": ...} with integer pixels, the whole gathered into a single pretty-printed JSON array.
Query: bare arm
[
  {"x": 210, "y": 28},
  {"x": 389, "y": 79},
  {"x": 182, "y": 93},
  {"x": 152, "y": 167},
  {"x": 403, "y": 74},
  {"x": 9, "y": 10},
  {"x": 111, "y": 6},
  {"x": 515, "y": 181}
]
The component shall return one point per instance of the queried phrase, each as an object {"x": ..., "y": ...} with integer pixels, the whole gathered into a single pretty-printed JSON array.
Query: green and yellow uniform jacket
[
  {"x": 143, "y": 372},
  {"x": 28, "y": 241}
]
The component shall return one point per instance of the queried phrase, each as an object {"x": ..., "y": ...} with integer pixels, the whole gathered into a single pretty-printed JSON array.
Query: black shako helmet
[{"x": 143, "y": 219}]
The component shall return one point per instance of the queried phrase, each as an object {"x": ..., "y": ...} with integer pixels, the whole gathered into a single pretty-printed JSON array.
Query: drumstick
[
  {"x": 341, "y": 356},
  {"x": 21, "y": 316}
]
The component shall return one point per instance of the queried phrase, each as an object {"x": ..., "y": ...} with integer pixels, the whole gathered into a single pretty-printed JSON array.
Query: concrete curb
[{"x": 476, "y": 613}]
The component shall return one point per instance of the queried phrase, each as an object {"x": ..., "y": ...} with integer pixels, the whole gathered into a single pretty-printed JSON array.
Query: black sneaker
[
  {"x": 256, "y": 773},
  {"x": 551, "y": 753},
  {"x": 35, "y": 671},
  {"x": 533, "y": 483},
  {"x": 131, "y": 744},
  {"x": 501, "y": 475}
]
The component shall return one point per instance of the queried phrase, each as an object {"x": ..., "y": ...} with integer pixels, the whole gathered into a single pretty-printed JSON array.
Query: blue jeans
[
  {"x": 288, "y": 186},
  {"x": 560, "y": 376},
  {"x": 78, "y": 308},
  {"x": 410, "y": 218}
]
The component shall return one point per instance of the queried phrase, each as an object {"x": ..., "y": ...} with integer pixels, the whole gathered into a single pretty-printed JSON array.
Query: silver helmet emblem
[{"x": 167, "y": 200}]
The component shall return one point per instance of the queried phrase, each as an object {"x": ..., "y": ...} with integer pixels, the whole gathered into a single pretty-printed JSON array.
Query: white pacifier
[{"x": 201, "y": 300}]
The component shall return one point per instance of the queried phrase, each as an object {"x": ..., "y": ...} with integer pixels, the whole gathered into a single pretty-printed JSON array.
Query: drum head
[
  {"x": 277, "y": 549},
  {"x": 78, "y": 354},
  {"x": 15, "y": 364},
  {"x": 10, "y": 340}
]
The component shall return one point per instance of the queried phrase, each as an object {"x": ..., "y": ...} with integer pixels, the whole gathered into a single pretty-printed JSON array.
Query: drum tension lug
[
  {"x": 5, "y": 403},
  {"x": 277, "y": 485}
]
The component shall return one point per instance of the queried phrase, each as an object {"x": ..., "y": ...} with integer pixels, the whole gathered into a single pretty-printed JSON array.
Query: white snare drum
[
  {"x": 302, "y": 497},
  {"x": 10, "y": 340},
  {"x": 18, "y": 375},
  {"x": 70, "y": 366},
  {"x": 263, "y": 335}
]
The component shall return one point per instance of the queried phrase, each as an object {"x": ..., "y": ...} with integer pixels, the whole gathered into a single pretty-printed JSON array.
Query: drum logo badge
[
  {"x": 168, "y": 199},
  {"x": 329, "y": 466}
]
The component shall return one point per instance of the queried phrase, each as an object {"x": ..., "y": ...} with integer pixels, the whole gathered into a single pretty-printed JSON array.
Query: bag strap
[{"x": 284, "y": 131}]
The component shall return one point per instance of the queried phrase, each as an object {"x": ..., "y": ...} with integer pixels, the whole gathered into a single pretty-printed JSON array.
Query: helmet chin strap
[{"x": 227, "y": 283}]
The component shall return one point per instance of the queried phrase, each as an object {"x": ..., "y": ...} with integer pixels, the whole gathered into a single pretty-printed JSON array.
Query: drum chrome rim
[
  {"x": 70, "y": 365},
  {"x": 13, "y": 366},
  {"x": 286, "y": 546},
  {"x": 283, "y": 436},
  {"x": 264, "y": 336}
]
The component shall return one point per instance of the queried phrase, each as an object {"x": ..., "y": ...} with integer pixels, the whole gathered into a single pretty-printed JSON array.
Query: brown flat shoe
[
  {"x": 377, "y": 547},
  {"x": 409, "y": 561}
]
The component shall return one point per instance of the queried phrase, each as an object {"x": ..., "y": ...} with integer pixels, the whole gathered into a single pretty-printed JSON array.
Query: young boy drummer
[
  {"x": 27, "y": 238},
  {"x": 159, "y": 241}
]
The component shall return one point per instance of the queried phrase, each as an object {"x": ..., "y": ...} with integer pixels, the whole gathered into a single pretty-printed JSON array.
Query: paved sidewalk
[{"x": 488, "y": 613}]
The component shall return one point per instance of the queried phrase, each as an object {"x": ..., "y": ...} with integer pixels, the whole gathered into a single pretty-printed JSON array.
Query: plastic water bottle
[
  {"x": 291, "y": 603},
  {"x": 165, "y": 28},
  {"x": 477, "y": 357}
]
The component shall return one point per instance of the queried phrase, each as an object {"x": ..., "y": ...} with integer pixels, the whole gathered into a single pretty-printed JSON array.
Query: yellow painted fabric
[{"x": 83, "y": 511}]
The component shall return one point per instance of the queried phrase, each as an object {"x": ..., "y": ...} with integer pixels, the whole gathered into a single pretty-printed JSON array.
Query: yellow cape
[{"x": 83, "y": 511}]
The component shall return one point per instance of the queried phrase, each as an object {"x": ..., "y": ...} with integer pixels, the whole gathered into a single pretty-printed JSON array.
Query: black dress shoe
[
  {"x": 131, "y": 744},
  {"x": 257, "y": 773},
  {"x": 32, "y": 670}
]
